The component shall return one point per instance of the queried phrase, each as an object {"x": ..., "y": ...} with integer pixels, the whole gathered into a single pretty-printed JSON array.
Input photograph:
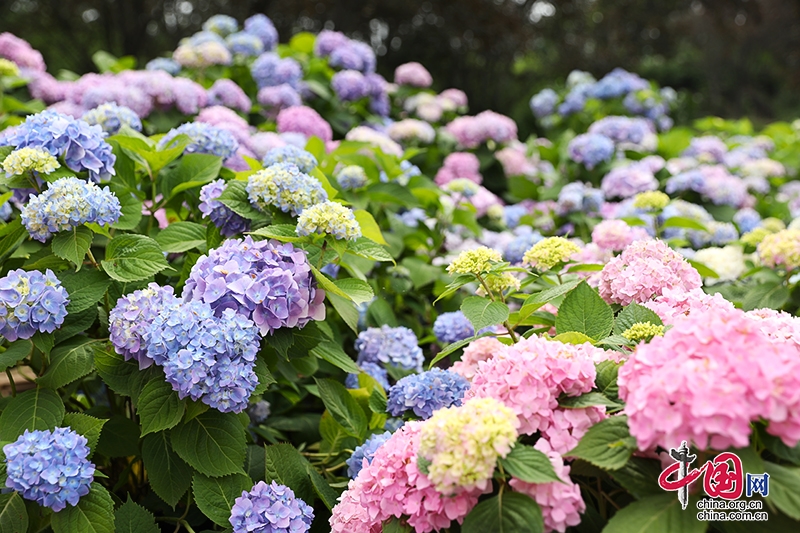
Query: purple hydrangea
[
  {"x": 205, "y": 139},
  {"x": 266, "y": 281},
  {"x": 374, "y": 370},
  {"x": 276, "y": 98},
  {"x": 544, "y": 103},
  {"x": 263, "y": 28},
  {"x": 627, "y": 132},
  {"x": 591, "y": 149},
  {"x": 205, "y": 357},
  {"x": 707, "y": 149},
  {"x": 393, "y": 346},
  {"x": 227, "y": 93},
  {"x": 130, "y": 320},
  {"x": 627, "y": 181},
  {"x": 616, "y": 83},
  {"x": 259, "y": 411},
  {"x": 82, "y": 146},
  {"x": 575, "y": 100},
  {"x": 305, "y": 161},
  {"x": 112, "y": 117},
  {"x": 452, "y": 327},
  {"x": 747, "y": 219},
  {"x": 245, "y": 44},
  {"x": 427, "y": 392},
  {"x": 29, "y": 302},
  {"x": 164, "y": 63},
  {"x": 269, "y": 70},
  {"x": 365, "y": 452},
  {"x": 223, "y": 217},
  {"x": 350, "y": 85},
  {"x": 270, "y": 509},
  {"x": 691, "y": 180},
  {"x": 354, "y": 55},
  {"x": 327, "y": 41},
  {"x": 50, "y": 468}
]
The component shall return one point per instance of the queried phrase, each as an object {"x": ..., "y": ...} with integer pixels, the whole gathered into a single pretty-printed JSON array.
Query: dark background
[{"x": 734, "y": 57}]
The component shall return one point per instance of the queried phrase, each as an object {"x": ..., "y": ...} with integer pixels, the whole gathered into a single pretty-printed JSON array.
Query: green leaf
[
  {"x": 682, "y": 222},
  {"x": 328, "y": 496},
  {"x": 76, "y": 323},
  {"x": 633, "y": 314},
  {"x": 773, "y": 295},
  {"x": 326, "y": 185},
  {"x": 535, "y": 301},
  {"x": 702, "y": 269},
  {"x": 346, "y": 309},
  {"x": 169, "y": 475},
  {"x": 68, "y": 362},
  {"x": 356, "y": 290},
  {"x": 215, "y": 496},
  {"x": 235, "y": 196},
  {"x": 33, "y": 409},
  {"x": 344, "y": 409},
  {"x": 369, "y": 249},
  {"x": 608, "y": 444},
  {"x": 44, "y": 341},
  {"x": 332, "y": 352},
  {"x": 93, "y": 514},
  {"x": 133, "y": 258},
  {"x": 13, "y": 516},
  {"x": 529, "y": 464},
  {"x": 369, "y": 228},
  {"x": 482, "y": 312},
  {"x": 212, "y": 443},
  {"x": 280, "y": 232},
  {"x": 85, "y": 288},
  {"x": 584, "y": 311},
  {"x": 12, "y": 236},
  {"x": 88, "y": 426},
  {"x": 284, "y": 464},
  {"x": 159, "y": 407},
  {"x": 120, "y": 375},
  {"x": 606, "y": 379},
  {"x": 73, "y": 245},
  {"x": 131, "y": 208},
  {"x": 119, "y": 438},
  {"x": 573, "y": 337},
  {"x": 784, "y": 488},
  {"x": 181, "y": 237},
  {"x": 509, "y": 512},
  {"x": 587, "y": 400},
  {"x": 133, "y": 518},
  {"x": 639, "y": 476},
  {"x": 660, "y": 513},
  {"x": 15, "y": 353},
  {"x": 377, "y": 400},
  {"x": 265, "y": 378},
  {"x": 193, "y": 170}
]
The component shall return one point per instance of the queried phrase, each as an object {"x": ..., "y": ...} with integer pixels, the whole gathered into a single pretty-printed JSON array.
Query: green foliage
[
  {"x": 608, "y": 444},
  {"x": 583, "y": 311},
  {"x": 505, "y": 513}
]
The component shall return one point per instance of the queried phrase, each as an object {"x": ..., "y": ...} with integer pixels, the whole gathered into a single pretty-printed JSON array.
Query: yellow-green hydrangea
[
  {"x": 754, "y": 237},
  {"x": 773, "y": 225},
  {"x": 25, "y": 160},
  {"x": 460, "y": 445},
  {"x": 549, "y": 252},
  {"x": 8, "y": 68},
  {"x": 643, "y": 331},
  {"x": 474, "y": 261},
  {"x": 329, "y": 217},
  {"x": 462, "y": 186},
  {"x": 499, "y": 283},
  {"x": 781, "y": 249},
  {"x": 651, "y": 200}
]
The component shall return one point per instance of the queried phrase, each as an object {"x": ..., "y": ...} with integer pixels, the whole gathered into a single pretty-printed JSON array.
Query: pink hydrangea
[
  {"x": 567, "y": 426},
  {"x": 226, "y": 92},
  {"x": 483, "y": 200},
  {"x": 471, "y": 132},
  {"x": 459, "y": 165},
  {"x": 303, "y": 119},
  {"x": 515, "y": 161},
  {"x": 226, "y": 119},
  {"x": 614, "y": 235},
  {"x": 778, "y": 325},
  {"x": 413, "y": 74},
  {"x": 45, "y": 87},
  {"x": 677, "y": 302},
  {"x": 349, "y": 516},
  {"x": 643, "y": 270},
  {"x": 20, "y": 52},
  {"x": 477, "y": 351},
  {"x": 707, "y": 379},
  {"x": 561, "y": 502},
  {"x": 456, "y": 96}
]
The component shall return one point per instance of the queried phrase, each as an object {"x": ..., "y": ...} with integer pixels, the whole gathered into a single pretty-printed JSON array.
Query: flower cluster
[
  {"x": 629, "y": 180},
  {"x": 24, "y": 160},
  {"x": 411, "y": 130},
  {"x": 284, "y": 186},
  {"x": 643, "y": 331},
  {"x": 471, "y": 132},
  {"x": 678, "y": 302},
  {"x": 614, "y": 235},
  {"x": 458, "y": 165},
  {"x": 591, "y": 149},
  {"x": 373, "y": 370},
  {"x": 650, "y": 200},
  {"x": 29, "y": 302},
  {"x": 293, "y": 155},
  {"x": 426, "y": 392},
  {"x": 350, "y": 85},
  {"x": 365, "y": 452},
  {"x": 549, "y": 252},
  {"x": 111, "y": 117},
  {"x": 452, "y": 327},
  {"x": 270, "y": 509},
  {"x": 304, "y": 120},
  {"x": 330, "y": 218},
  {"x": 227, "y": 93},
  {"x": 277, "y": 98},
  {"x": 412, "y": 74},
  {"x": 262, "y": 27},
  {"x": 478, "y": 350},
  {"x": 49, "y": 467},
  {"x": 577, "y": 196},
  {"x": 351, "y": 177},
  {"x": 223, "y": 217},
  {"x": 268, "y": 282},
  {"x": 393, "y": 346},
  {"x": 269, "y": 70},
  {"x": 203, "y": 138},
  {"x": 781, "y": 249},
  {"x": 68, "y": 203},
  {"x": 476, "y": 261},
  {"x": 259, "y": 411}
]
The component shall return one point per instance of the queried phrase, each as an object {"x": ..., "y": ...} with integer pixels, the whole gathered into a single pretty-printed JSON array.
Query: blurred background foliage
[{"x": 734, "y": 58}]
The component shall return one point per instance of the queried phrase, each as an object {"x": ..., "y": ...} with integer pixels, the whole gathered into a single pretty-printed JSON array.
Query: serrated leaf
[
  {"x": 589, "y": 399},
  {"x": 639, "y": 476},
  {"x": 193, "y": 170},
  {"x": 280, "y": 232},
  {"x": 33, "y": 409},
  {"x": 369, "y": 228},
  {"x": 159, "y": 407},
  {"x": 784, "y": 485},
  {"x": 660, "y": 513},
  {"x": 119, "y": 438},
  {"x": 344, "y": 409},
  {"x": 235, "y": 197},
  {"x": 608, "y": 444},
  {"x": 215, "y": 495},
  {"x": 133, "y": 518},
  {"x": 212, "y": 443},
  {"x": 682, "y": 222},
  {"x": 93, "y": 514},
  {"x": 509, "y": 512},
  {"x": 633, "y": 314},
  {"x": 369, "y": 249},
  {"x": 131, "y": 209},
  {"x": 483, "y": 313},
  {"x": 573, "y": 337},
  {"x": 88, "y": 426},
  {"x": 606, "y": 379},
  {"x": 377, "y": 400},
  {"x": 133, "y": 258},
  {"x": 284, "y": 464},
  {"x": 12, "y": 236},
  {"x": 85, "y": 288},
  {"x": 529, "y": 464},
  {"x": 181, "y": 237},
  {"x": 328, "y": 496},
  {"x": 120, "y": 375},
  {"x": 68, "y": 362},
  {"x": 332, "y": 352},
  {"x": 702, "y": 269},
  {"x": 15, "y": 353},
  {"x": 584, "y": 311},
  {"x": 169, "y": 475},
  {"x": 356, "y": 290},
  {"x": 773, "y": 295},
  {"x": 535, "y": 301},
  {"x": 73, "y": 245},
  {"x": 13, "y": 515},
  {"x": 346, "y": 309}
]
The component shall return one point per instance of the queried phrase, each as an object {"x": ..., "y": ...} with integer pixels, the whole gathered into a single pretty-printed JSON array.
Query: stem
[
  {"x": 510, "y": 331},
  {"x": 485, "y": 287},
  {"x": 11, "y": 382},
  {"x": 93, "y": 260},
  {"x": 186, "y": 525},
  {"x": 322, "y": 253}
]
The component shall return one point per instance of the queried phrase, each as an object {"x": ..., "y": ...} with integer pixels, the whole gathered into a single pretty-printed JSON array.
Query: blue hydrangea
[
  {"x": 130, "y": 320},
  {"x": 284, "y": 186},
  {"x": 223, "y": 217},
  {"x": 412, "y": 217},
  {"x": 82, "y": 146},
  {"x": 164, "y": 63},
  {"x": 259, "y": 411},
  {"x": 393, "y": 424},
  {"x": 221, "y": 24},
  {"x": 29, "y": 302},
  {"x": 426, "y": 392},
  {"x": 68, "y": 203},
  {"x": 111, "y": 117},
  {"x": 331, "y": 269},
  {"x": 409, "y": 170},
  {"x": 6, "y": 211},
  {"x": 245, "y": 44},
  {"x": 747, "y": 219},
  {"x": 305, "y": 161},
  {"x": 206, "y": 358},
  {"x": 351, "y": 177},
  {"x": 591, "y": 149},
  {"x": 263, "y": 28},
  {"x": 524, "y": 241},
  {"x": 204, "y": 139},
  {"x": 269, "y": 70},
  {"x": 393, "y": 346},
  {"x": 718, "y": 234},
  {"x": 50, "y": 468},
  {"x": 575, "y": 100},
  {"x": 544, "y": 103},
  {"x": 270, "y": 509},
  {"x": 353, "y": 55},
  {"x": 452, "y": 327},
  {"x": 617, "y": 83},
  {"x": 512, "y": 215},
  {"x": 350, "y": 85},
  {"x": 374, "y": 370},
  {"x": 366, "y": 451},
  {"x": 203, "y": 37}
]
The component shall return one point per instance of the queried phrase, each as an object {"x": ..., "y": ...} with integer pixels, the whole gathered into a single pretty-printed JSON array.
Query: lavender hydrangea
[
  {"x": 221, "y": 25},
  {"x": 544, "y": 103},
  {"x": 374, "y": 370},
  {"x": 266, "y": 281},
  {"x": 82, "y": 146},
  {"x": 350, "y": 85},
  {"x": 304, "y": 160},
  {"x": 452, "y": 327},
  {"x": 166, "y": 64},
  {"x": 130, "y": 321},
  {"x": 393, "y": 346},
  {"x": 591, "y": 149},
  {"x": 223, "y": 217},
  {"x": 112, "y": 117},
  {"x": 29, "y": 302},
  {"x": 244, "y": 44},
  {"x": 68, "y": 203},
  {"x": 205, "y": 139},
  {"x": 277, "y": 98},
  {"x": 285, "y": 187},
  {"x": 259, "y": 411},
  {"x": 227, "y": 93},
  {"x": 269, "y": 70},
  {"x": 512, "y": 215},
  {"x": 747, "y": 219},
  {"x": 412, "y": 217},
  {"x": 50, "y": 468},
  {"x": 524, "y": 241},
  {"x": 270, "y": 509},
  {"x": 366, "y": 451},
  {"x": 262, "y": 27},
  {"x": 351, "y": 177},
  {"x": 427, "y": 392}
]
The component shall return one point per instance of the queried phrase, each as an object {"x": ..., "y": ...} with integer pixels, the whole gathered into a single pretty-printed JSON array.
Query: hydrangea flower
[
  {"x": 524, "y": 240},
  {"x": 677, "y": 302},
  {"x": 202, "y": 55},
  {"x": 329, "y": 217},
  {"x": 8, "y": 68},
  {"x": 411, "y": 130},
  {"x": 50, "y": 468},
  {"x": 627, "y": 181},
  {"x": 643, "y": 331},
  {"x": 277, "y": 98},
  {"x": 221, "y": 24},
  {"x": 462, "y": 444},
  {"x": 476, "y": 261},
  {"x": 284, "y": 186},
  {"x": 452, "y": 327},
  {"x": 392, "y": 346},
  {"x": 131, "y": 318},
  {"x": 747, "y": 219},
  {"x": 68, "y": 203},
  {"x": 613, "y": 235},
  {"x": 374, "y": 370},
  {"x": 112, "y": 117},
  {"x": 20, "y": 52},
  {"x": 471, "y": 132},
  {"x": 223, "y": 217},
  {"x": 289, "y": 154},
  {"x": 426, "y": 392},
  {"x": 478, "y": 350},
  {"x": 303, "y": 119},
  {"x": 204, "y": 139},
  {"x": 269, "y": 70},
  {"x": 262, "y": 27},
  {"x": 268, "y": 282},
  {"x": 24, "y": 160},
  {"x": 628, "y": 133},
  {"x": 781, "y": 249},
  {"x": 350, "y": 85},
  {"x": 270, "y": 509},
  {"x": 351, "y": 177},
  {"x": 259, "y": 411},
  {"x": 365, "y": 452},
  {"x": 543, "y": 103},
  {"x": 643, "y": 271},
  {"x": 591, "y": 149},
  {"x": 164, "y": 63},
  {"x": 549, "y": 252},
  {"x": 29, "y": 302},
  {"x": 244, "y": 44},
  {"x": 412, "y": 74},
  {"x": 227, "y": 93},
  {"x": 82, "y": 146},
  {"x": 650, "y": 200}
]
